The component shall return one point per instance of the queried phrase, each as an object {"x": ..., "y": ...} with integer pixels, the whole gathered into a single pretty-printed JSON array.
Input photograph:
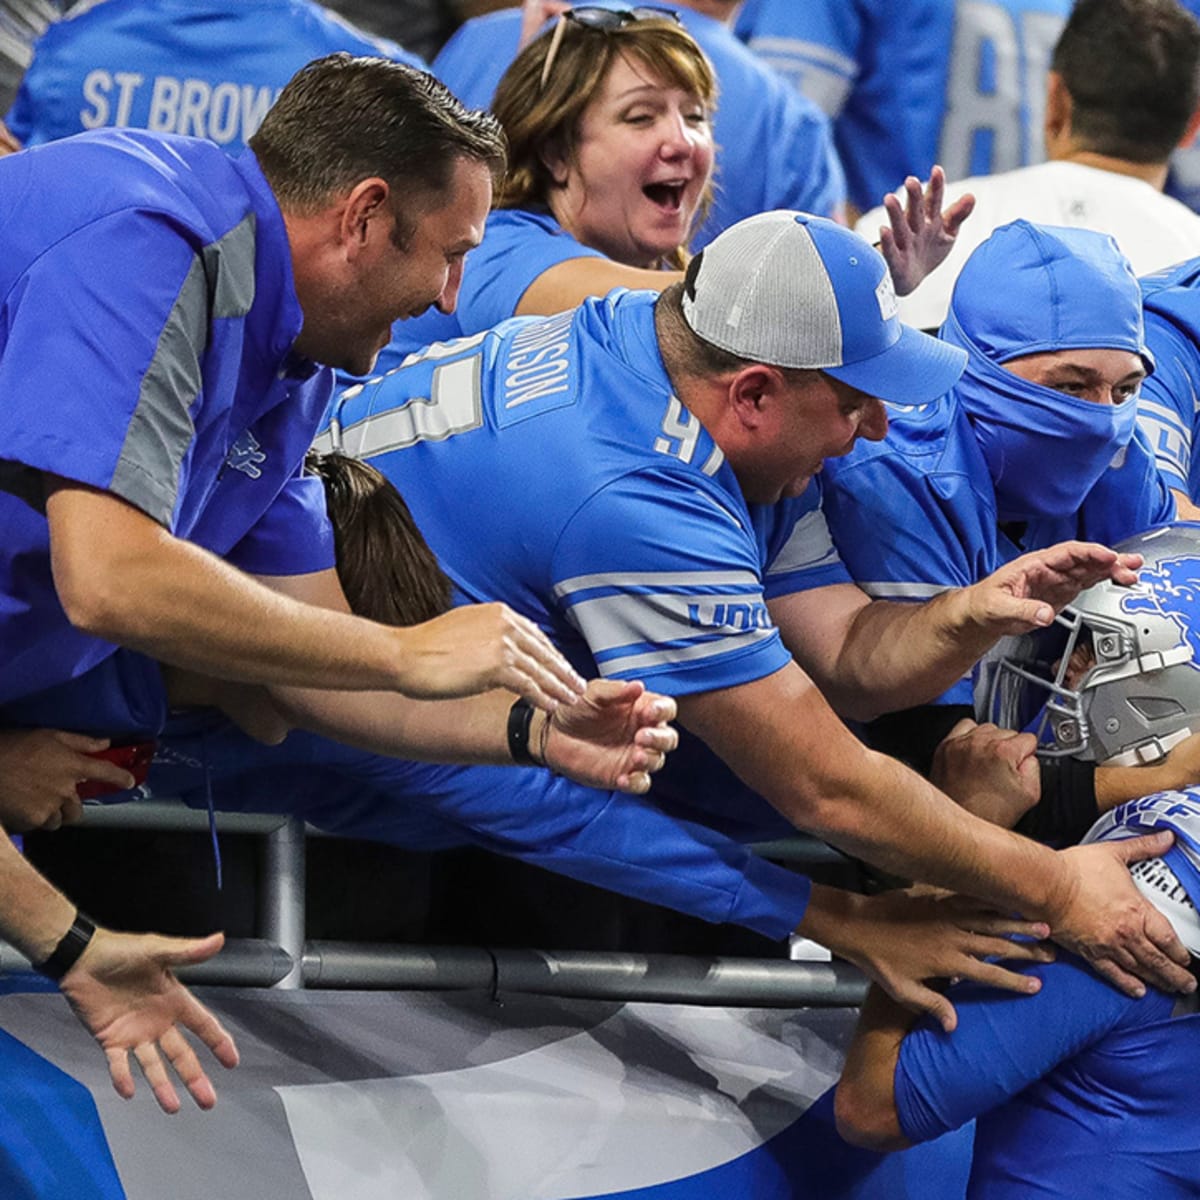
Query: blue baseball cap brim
[{"x": 915, "y": 369}]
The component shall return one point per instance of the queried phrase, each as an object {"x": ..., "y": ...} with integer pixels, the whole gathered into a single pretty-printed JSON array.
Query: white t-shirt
[{"x": 1153, "y": 230}]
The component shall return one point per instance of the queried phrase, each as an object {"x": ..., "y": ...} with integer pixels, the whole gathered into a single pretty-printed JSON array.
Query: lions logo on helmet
[{"x": 1121, "y": 685}]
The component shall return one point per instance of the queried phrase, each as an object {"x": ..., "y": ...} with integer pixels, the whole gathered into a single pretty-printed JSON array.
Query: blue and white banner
[{"x": 420, "y": 1096}]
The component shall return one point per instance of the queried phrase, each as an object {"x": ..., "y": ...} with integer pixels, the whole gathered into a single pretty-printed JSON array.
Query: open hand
[
  {"x": 920, "y": 234},
  {"x": 1026, "y": 593},
  {"x": 477, "y": 647},
  {"x": 123, "y": 990},
  {"x": 1102, "y": 917},
  {"x": 904, "y": 940}
]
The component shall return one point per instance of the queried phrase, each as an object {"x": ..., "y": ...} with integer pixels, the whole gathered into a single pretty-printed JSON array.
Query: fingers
[
  {"x": 660, "y": 738},
  {"x": 541, "y": 675},
  {"x": 954, "y": 216},
  {"x": 80, "y": 742},
  {"x": 992, "y": 974},
  {"x": 924, "y": 999},
  {"x": 157, "y": 1077},
  {"x": 1119, "y": 978},
  {"x": 186, "y": 1065},
  {"x": 103, "y": 771},
  {"x": 179, "y": 952},
  {"x": 1150, "y": 845},
  {"x": 119, "y": 1072},
  {"x": 635, "y": 783}
]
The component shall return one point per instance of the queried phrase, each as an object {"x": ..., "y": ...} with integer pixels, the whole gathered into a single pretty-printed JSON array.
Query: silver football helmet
[{"x": 1116, "y": 679}]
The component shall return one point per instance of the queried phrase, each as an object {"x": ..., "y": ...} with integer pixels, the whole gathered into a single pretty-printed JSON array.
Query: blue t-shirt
[
  {"x": 596, "y": 504},
  {"x": 775, "y": 148},
  {"x": 177, "y": 66},
  {"x": 1169, "y": 405},
  {"x": 609, "y": 839},
  {"x": 174, "y": 389},
  {"x": 1076, "y": 1091},
  {"x": 956, "y": 82}
]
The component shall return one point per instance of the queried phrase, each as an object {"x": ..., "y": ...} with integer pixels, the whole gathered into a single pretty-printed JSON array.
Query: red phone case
[{"x": 135, "y": 757}]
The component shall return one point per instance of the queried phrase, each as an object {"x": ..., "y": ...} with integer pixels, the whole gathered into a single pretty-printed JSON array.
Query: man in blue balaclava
[
  {"x": 1037, "y": 442},
  {"x": 1077, "y": 1090}
]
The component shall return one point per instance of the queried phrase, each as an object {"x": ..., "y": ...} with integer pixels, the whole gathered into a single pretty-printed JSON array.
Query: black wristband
[
  {"x": 66, "y": 954},
  {"x": 520, "y": 721}
]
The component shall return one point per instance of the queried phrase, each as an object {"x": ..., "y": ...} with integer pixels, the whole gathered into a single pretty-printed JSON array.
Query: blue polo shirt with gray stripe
[
  {"x": 549, "y": 464},
  {"x": 147, "y": 315}
]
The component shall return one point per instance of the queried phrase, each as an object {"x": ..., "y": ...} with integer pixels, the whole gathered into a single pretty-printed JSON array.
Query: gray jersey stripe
[
  {"x": 220, "y": 283},
  {"x": 681, "y": 654},
  {"x": 610, "y": 622},
  {"x": 662, "y": 579},
  {"x": 904, "y": 591}
]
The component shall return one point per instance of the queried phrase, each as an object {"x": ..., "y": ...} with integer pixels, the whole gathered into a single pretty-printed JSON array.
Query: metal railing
[{"x": 282, "y": 957}]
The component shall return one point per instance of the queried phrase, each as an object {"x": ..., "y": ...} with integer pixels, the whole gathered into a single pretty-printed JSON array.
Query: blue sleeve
[
  {"x": 517, "y": 247},
  {"x": 293, "y": 537},
  {"x": 815, "y": 45},
  {"x": 676, "y": 596},
  {"x": 905, "y": 533},
  {"x": 61, "y": 326},
  {"x": 795, "y": 545},
  {"x": 1004, "y": 1042},
  {"x": 472, "y": 62},
  {"x": 1168, "y": 405}
]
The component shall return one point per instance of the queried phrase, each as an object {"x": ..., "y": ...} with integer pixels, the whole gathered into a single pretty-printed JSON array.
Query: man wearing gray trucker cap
[{"x": 634, "y": 476}]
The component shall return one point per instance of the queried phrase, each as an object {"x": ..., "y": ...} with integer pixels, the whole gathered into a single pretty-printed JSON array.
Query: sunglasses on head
[{"x": 592, "y": 17}]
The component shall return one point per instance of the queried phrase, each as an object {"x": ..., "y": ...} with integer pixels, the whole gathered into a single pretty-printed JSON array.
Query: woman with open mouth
[{"x": 608, "y": 117}]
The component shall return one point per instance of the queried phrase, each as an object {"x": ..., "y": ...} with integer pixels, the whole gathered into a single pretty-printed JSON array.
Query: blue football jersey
[
  {"x": 177, "y": 66},
  {"x": 1077, "y": 1090},
  {"x": 550, "y": 465},
  {"x": 956, "y": 82},
  {"x": 1169, "y": 406}
]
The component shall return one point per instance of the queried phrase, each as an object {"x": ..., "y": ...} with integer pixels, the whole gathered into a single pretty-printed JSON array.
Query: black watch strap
[
  {"x": 66, "y": 954},
  {"x": 520, "y": 721}
]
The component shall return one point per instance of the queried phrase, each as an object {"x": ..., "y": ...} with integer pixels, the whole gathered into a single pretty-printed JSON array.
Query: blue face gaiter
[
  {"x": 1030, "y": 290},
  {"x": 1044, "y": 450}
]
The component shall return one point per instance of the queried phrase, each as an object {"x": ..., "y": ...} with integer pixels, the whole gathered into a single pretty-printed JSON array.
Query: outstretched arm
[
  {"x": 121, "y": 988},
  {"x": 782, "y": 740},
  {"x": 874, "y": 656},
  {"x": 124, "y": 578}
]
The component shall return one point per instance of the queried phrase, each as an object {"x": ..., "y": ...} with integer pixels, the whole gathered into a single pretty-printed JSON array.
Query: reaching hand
[
  {"x": 991, "y": 772},
  {"x": 39, "y": 772},
  {"x": 903, "y": 940},
  {"x": 1027, "y": 592},
  {"x": 123, "y": 991},
  {"x": 477, "y": 647},
  {"x": 1103, "y": 917},
  {"x": 921, "y": 234},
  {"x": 614, "y": 736}
]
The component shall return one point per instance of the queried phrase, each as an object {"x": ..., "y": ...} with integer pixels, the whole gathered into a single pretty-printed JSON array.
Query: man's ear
[
  {"x": 751, "y": 393},
  {"x": 365, "y": 211},
  {"x": 1193, "y": 128},
  {"x": 1057, "y": 124}
]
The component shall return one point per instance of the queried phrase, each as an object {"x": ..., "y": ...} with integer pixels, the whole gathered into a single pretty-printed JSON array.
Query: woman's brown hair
[
  {"x": 543, "y": 122},
  {"x": 385, "y": 566}
]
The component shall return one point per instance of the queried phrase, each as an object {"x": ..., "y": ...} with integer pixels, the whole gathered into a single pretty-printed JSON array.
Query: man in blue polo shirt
[
  {"x": 634, "y": 474},
  {"x": 162, "y": 328},
  {"x": 1076, "y": 1090}
]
